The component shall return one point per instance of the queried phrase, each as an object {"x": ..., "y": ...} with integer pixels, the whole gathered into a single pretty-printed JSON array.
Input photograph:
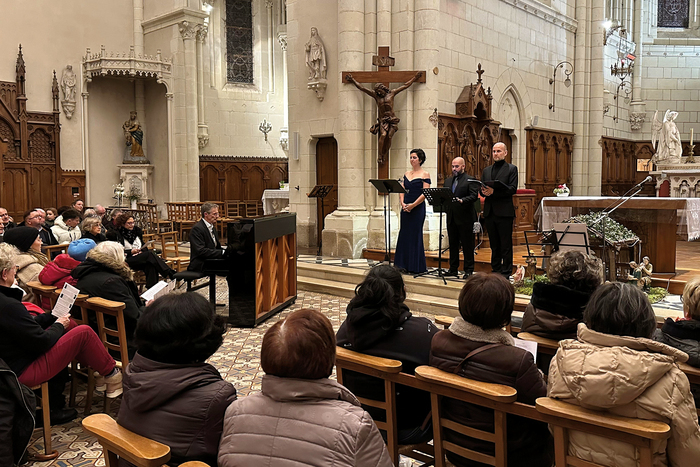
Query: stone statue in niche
[
  {"x": 669, "y": 148},
  {"x": 133, "y": 133},
  {"x": 316, "y": 56},
  {"x": 68, "y": 83}
]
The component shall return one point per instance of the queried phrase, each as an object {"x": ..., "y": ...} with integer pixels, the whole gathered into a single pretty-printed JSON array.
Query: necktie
[
  {"x": 211, "y": 232},
  {"x": 454, "y": 184}
]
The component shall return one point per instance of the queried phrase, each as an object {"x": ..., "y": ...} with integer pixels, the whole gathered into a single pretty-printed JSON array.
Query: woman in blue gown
[{"x": 410, "y": 254}]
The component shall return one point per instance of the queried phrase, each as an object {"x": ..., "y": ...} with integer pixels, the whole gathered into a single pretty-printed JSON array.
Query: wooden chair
[
  {"x": 102, "y": 307},
  {"x": 388, "y": 371},
  {"x": 49, "y": 453},
  {"x": 232, "y": 208},
  {"x": 444, "y": 321},
  {"x": 494, "y": 396},
  {"x": 170, "y": 252},
  {"x": 155, "y": 224},
  {"x": 563, "y": 417},
  {"x": 43, "y": 293},
  {"x": 544, "y": 346},
  {"x": 51, "y": 251}
]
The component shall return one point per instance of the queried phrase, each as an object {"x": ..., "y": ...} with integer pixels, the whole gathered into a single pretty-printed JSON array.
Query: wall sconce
[
  {"x": 265, "y": 127},
  {"x": 627, "y": 88},
  {"x": 568, "y": 69},
  {"x": 609, "y": 29}
]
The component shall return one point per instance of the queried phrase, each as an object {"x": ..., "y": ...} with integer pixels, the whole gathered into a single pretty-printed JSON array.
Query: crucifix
[{"x": 387, "y": 122}]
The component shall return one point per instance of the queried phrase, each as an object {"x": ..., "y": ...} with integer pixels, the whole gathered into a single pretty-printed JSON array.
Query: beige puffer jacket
[
  {"x": 29, "y": 268},
  {"x": 297, "y": 422},
  {"x": 631, "y": 377}
]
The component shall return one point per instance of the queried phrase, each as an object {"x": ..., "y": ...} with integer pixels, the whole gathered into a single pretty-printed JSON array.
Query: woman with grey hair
[
  {"x": 92, "y": 229},
  {"x": 104, "y": 273},
  {"x": 555, "y": 309}
]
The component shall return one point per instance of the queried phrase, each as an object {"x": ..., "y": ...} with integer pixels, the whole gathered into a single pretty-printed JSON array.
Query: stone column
[
  {"x": 345, "y": 234},
  {"x": 637, "y": 111},
  {"x": 187, "y": 164},
  {"x": 588, "y": 98},
  {"x": 171, "y": 150},
  {"x": 86, "y": 141},
  {"x": 284, "y": 131},
  {"x": 202, "y": 128},
  {"x": 138, "y": 51}
]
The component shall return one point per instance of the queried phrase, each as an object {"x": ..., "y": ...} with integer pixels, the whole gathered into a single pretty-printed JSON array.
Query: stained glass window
[
  {"x": 239, "y": 41},
  {"x": 673, "y": 13}
]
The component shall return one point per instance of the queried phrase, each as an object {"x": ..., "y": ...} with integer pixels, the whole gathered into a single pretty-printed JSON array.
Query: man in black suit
[
  {"x": 35, "y": 218},
  {"x": 461, "y": 216},
  {"x": 501, "y": 179},
  {"x": 204, "y": 243}
]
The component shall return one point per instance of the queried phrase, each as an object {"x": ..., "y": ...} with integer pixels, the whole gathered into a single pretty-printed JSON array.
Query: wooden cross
[{"x": 385, "y": 76}]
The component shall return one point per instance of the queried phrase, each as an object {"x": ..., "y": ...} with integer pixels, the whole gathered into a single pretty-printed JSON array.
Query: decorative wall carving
[
  {"x": 549, "y": 155},
  {"x": 128, "y": 65},
  {"x": 68, "y": 82},
  {"x": 225, "y": 178},
  {"x": 619, "y": 171}
]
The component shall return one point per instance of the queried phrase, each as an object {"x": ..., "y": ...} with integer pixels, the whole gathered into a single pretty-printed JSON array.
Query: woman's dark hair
[
  {"x": 179, "y": 328},
  {"x": 487, "y": 301},
  {"x": 420, "y": 153},
  {"x": 121, "y": 219},
  {"x": 575, "y": 270},
  {"x": 70, "y": 214},
  {"x": 382, "y": 289},
  {"x": 62, "y": 209},
  {"x": 620, "y": 309},
  {"x": 300, "y": 346}
]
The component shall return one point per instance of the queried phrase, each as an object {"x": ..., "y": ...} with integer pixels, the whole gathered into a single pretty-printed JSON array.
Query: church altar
[
  {"x": 656, "y": 221},
  {"x": 275, "y": 201}
]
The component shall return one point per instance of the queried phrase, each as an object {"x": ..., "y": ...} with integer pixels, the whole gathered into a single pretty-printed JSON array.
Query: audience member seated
[
  {"x": 301, "y": 417},
  {"x": 684, "y": 333},
  {"x": 138, "y": 256},
  {"x": 170, "y": 394},
  {"x": 65, "y": 227},
  {"x": 380, "y": 324},
  {"x": 477, "y": 347},
  {"x": 92, "y": 229},
  {"x": 35, "y": 218},
  {"x": 78, "y": 205},
  {"x": 30, "y": 260},
  {"x": 204, "y": 243},
  {"x": 6, "y": 219},
  {"x": 39, "y": 347},
  {"x": 2, "y": 232},
  {"x": 108, "y": 220},
  {"x": 17, "y": 416},
  {"x": 615, "y": 366},
  {"x": 51, "y": 214},
  {"x": 58, "y": 272},
  {"x": 104, "y": 273}
]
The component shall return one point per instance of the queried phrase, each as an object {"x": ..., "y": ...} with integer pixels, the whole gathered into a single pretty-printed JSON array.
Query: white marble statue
[
  {"x": 316, "y": 56},
  {"x": 68, "y": 83},
  {"x": 669, "y": 149}
]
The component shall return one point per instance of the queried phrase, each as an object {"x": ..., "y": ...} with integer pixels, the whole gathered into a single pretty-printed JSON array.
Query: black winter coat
[
  {"x": 554, "y": 311},
  {"x": 17, "y": 412},
  {"x": 684, "y": 335}
]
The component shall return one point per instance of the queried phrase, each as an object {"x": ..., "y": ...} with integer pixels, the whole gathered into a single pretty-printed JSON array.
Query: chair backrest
[
  {"x": 194, "y": 211},
  {"x": 232, "y": 208},
  {"x": 51, "y": 251},
  {"x": 78, "y": 312},
  {"x": 169, "y": 245},
  {"x": 103, "y": 307},
  {"x": 544, "y": 346},
  {"x": 378, "y": 367},
  {"x": 563, "y": 417},
  {"x": 177, "y": 211},
  {"x": 42, "y": 292},
  {"x": 118, "y": 442},
  {"x": 495, "y": 396}
]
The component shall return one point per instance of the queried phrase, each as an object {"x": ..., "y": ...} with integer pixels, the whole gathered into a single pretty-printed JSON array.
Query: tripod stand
[
  {"x": 386, "y": 187},
  {"x": 439, "y": 198}
]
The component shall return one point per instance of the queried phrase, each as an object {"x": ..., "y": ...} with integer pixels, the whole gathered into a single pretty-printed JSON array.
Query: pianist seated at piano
[{"x": 204, "y": 242}]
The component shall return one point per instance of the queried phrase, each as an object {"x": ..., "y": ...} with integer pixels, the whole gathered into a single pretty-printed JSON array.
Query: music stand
[
  {"x": 439, "y": 199},
  {"x": 320, "y": 192},
  {"x": 386, "y": 187}
]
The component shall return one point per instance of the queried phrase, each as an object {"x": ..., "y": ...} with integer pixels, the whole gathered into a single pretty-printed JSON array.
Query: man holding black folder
[
  {"x": 461, "y": 216},
  {"x": 501, "y": 183}
]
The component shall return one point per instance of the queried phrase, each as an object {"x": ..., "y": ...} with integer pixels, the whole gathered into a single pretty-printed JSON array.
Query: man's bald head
[
  {"x": 458, "y": 166},
  {"x": 499, "y": 152}
]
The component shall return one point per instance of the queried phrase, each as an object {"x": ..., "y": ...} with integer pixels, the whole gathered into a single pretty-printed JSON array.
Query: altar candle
[{"x": 691, "y": 136}]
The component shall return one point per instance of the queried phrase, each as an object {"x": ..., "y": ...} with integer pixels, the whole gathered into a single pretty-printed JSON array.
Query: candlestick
[{"x": 691, "y": 136}]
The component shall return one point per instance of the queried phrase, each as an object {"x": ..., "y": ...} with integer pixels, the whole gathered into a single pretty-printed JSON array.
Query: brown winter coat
[
  {"x": 631, "y": 377},
  {"x": 529, "y": 442},
  {"x": 297, "y": 422}
]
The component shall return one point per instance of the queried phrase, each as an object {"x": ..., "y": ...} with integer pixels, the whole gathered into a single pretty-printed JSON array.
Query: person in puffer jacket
[
  {"x": 301, "y": 417},
  {"x": 614, "y": 365},
  {"x": 58, "y": 271},
  {"x": 684, "y": 333}
]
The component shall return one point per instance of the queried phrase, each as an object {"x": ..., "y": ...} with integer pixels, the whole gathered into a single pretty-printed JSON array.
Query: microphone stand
[{"x": 606, "y": 213}]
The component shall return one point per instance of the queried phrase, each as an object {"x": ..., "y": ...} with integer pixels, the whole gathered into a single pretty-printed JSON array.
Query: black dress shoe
[
  {"x": 450, "y": 273},
  {"x": 467, "y": 274},
  {"x": 58, "y": 416}
]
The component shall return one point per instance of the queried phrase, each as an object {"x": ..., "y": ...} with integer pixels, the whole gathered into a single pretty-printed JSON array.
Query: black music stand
[
  {"x": 320, "y": 192},
  {"x": 439, "y": 198},
  {"x": 387, "y": 187}
]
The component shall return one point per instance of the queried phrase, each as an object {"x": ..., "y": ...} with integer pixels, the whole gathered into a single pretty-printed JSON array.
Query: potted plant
[
  {"x": 134, "y": 195},
  {"x": 562, "y": 190}
]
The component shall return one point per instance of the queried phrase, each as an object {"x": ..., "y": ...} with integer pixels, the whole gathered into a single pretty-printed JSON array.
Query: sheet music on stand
[
  {"x": 320, "y": 191},
  {"x": 439, "y": 198},
  {"x": 65, "y": 301}
]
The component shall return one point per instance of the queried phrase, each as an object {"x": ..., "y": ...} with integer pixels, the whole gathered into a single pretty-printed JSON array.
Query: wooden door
[{"x": 326, "y": 174}]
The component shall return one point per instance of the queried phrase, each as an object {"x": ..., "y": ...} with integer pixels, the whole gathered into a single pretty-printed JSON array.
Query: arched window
[
  {"x": 239, "y": 41},
  {"x": 673, "y": 13}
]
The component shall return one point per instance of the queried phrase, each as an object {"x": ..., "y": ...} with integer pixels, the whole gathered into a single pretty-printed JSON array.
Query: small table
[{"x": 275, "y": 201}]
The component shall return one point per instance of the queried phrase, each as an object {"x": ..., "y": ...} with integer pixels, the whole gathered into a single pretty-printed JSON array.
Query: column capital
[
  {"x": 269, "y": 4},
  {"x": 188, "y": 30},
  {"x": 282, "y": 39},
  {"x": 201, "y": 32}
]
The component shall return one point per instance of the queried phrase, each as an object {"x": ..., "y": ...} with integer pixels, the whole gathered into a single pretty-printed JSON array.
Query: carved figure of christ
[{"x": 387, "y": 122}]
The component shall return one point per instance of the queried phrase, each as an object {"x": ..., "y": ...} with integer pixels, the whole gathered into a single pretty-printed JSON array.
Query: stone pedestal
[
  {"x": 345, "y": 234},
  {"x": 377, "y": 228},
  {"x": 139, "y": 176}
]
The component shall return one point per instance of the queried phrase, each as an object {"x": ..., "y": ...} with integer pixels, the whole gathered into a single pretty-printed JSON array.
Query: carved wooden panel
[
  {"x": 225, "y": 178},
  {"x": 549, "y": 155},
  {"x": 71, "y": 179},
  {"x": 15, "y": 190},
  {"x": 619, "y": 167}
]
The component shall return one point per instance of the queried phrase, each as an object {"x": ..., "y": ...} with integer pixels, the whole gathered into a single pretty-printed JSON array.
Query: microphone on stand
[{"x": 648, "y": 179}]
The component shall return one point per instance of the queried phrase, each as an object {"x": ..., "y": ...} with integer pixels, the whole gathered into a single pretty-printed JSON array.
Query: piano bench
[{"x": 191, "y": 276}]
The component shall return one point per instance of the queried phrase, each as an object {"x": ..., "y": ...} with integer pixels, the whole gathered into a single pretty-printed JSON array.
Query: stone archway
[{"x": 511, "y": 118}]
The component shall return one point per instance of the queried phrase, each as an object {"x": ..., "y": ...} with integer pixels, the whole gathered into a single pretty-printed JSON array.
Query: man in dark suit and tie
[
  {"x": 204, "y": 243},
  {"x": 461, "y": 216},
  {"x": 501, "y": 179}
]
